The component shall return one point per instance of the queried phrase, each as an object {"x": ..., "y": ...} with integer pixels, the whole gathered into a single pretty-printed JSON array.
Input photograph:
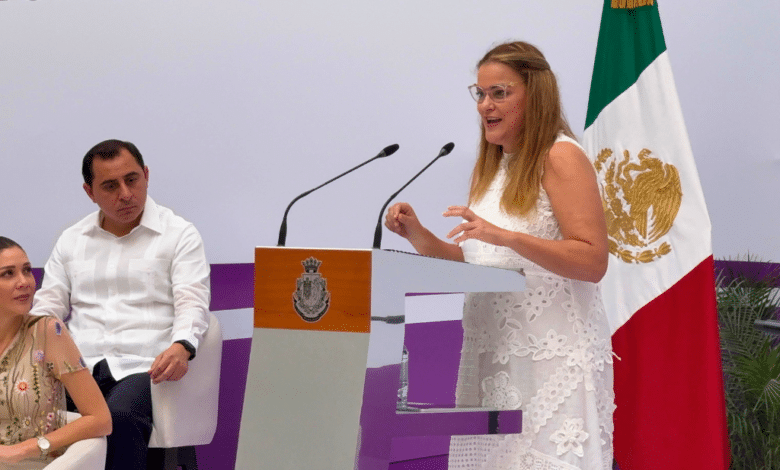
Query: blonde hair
[{"x": 543, "y": 120}]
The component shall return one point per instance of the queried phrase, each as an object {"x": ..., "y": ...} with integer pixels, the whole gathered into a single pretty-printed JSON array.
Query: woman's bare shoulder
[{"x": 565, "y": 161}]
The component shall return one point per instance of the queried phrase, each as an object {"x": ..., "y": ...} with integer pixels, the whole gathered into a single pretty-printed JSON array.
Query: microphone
[
  {"x": 386, "y": 152},
  {"x": 378, "y": 232}
]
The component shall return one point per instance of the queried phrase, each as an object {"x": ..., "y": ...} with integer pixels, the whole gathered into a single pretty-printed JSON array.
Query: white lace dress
[{"x": 545, "y": 351}]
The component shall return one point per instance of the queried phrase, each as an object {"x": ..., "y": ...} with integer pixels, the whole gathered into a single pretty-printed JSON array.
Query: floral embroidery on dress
[
  {"x": 556, "y": 283},
  {"x": 536, "y": 301},
  {"x": 504, "y": 307},
  {"x": 524, "y": 458},
  {"x": 546, "y": 348},
  {"x": 570, "y": 437},
  {"x": 31, "y": 396},
  {"x": 499, "y": 393},
  {"x": 587, "y": 330},
  {"x": 572, "y": 309},
  {"x": 21, "y": 387},
  {"x": 554, "y": 391},
  {"x": 507, "y": 346},
  {"x": 590, "y": 358}
]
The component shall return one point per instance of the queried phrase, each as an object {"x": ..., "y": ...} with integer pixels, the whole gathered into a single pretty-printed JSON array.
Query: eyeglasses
[{"x": 497, "y": 93}]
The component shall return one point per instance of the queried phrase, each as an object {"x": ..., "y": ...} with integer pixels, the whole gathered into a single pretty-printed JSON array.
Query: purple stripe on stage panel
[
  {"x": 221, "y": 453},
  {"x": 232, "y": 286},
  {"x": 726, "y": 271}
]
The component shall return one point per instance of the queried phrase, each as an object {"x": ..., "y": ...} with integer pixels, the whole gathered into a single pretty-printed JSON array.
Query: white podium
[{"x": 314, "y": 340}]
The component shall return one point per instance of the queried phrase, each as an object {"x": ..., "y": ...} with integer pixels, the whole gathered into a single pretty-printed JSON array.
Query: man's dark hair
[
  {"x": 8, "y": 243},
  {"x": 107, "y": 150}
]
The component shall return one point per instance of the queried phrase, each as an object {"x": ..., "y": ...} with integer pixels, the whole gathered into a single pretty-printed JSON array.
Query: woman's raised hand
[
  {"x": 473, "y": 227},
  {"x": 402, "y": 220}
]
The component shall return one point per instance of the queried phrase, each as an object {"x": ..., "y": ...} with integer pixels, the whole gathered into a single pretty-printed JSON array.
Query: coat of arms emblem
[
  {"x": 641, "y": 199},
  {"x": 311, "y": 299}
]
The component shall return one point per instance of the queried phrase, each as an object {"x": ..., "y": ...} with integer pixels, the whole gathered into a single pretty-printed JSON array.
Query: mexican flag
[{"x": 659, "y": 290}]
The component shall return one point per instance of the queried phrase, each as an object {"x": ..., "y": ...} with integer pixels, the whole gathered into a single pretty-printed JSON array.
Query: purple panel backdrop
[
  {"x": 438, "y": 462},
  {"x": 232, "y": 287},
  {"x": 727, "y": 271},
  {"x": 434, "y": 353}
]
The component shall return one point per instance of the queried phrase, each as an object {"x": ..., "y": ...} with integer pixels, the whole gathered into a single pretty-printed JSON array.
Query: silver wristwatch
[{"x": 44, "y": 445}]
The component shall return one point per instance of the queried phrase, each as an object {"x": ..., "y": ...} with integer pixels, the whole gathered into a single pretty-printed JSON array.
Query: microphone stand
[
  {"x": 378, "y": 231},
  {"x": 386, "y": 152}
]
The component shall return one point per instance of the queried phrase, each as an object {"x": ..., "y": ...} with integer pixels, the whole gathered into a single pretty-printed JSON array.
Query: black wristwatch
[{"x": 188, "y": 346}]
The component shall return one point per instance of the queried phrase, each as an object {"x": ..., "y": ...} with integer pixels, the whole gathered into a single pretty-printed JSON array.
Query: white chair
[
  {"x": 185, "y": 412},
  {"x": 87, "y": 454}
]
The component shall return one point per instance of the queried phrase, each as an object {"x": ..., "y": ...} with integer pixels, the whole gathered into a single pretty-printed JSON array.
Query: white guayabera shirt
[{"x": 127, "y": 299}]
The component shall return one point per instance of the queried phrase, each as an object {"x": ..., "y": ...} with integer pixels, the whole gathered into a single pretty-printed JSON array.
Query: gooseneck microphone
[
  {"x": 386, "y": 152},
  {"x": 378, "y": 232}
]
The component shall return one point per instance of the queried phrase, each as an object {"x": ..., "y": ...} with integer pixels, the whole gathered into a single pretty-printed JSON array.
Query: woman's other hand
[{"x": 474, "y": 227}]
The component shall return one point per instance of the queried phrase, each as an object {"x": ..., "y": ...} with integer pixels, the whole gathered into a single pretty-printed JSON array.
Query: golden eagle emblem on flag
[{"x": 641, "y": 199}]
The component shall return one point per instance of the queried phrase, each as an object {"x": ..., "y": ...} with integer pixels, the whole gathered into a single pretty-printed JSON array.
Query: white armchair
[
  {"x": 185, "y": 412},
  {"x": 87, "y": 454}
]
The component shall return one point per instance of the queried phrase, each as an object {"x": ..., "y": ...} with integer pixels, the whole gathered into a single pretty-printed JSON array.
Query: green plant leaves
[{"x": 751, "y": 369}]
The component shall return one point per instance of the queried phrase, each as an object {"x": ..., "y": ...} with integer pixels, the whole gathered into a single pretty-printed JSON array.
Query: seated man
[{"x": 132, "y": 282}]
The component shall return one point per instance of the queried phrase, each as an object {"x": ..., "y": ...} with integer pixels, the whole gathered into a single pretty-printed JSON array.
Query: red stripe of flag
[{"x": 669, "y": 358}]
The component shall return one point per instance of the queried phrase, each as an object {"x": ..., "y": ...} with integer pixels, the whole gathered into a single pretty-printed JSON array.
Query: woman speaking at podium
[{"x": 534, "y": 206}]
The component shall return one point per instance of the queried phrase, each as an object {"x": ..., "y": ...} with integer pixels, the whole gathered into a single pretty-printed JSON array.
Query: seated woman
[{"x": 38, "y": 357}]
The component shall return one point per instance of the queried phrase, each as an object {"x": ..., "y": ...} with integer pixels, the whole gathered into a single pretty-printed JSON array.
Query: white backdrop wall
[{"x": 238, "y": 106}]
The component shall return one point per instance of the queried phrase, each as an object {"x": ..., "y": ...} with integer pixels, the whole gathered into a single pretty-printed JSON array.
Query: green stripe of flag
[{"x": 629, "y": 40}]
